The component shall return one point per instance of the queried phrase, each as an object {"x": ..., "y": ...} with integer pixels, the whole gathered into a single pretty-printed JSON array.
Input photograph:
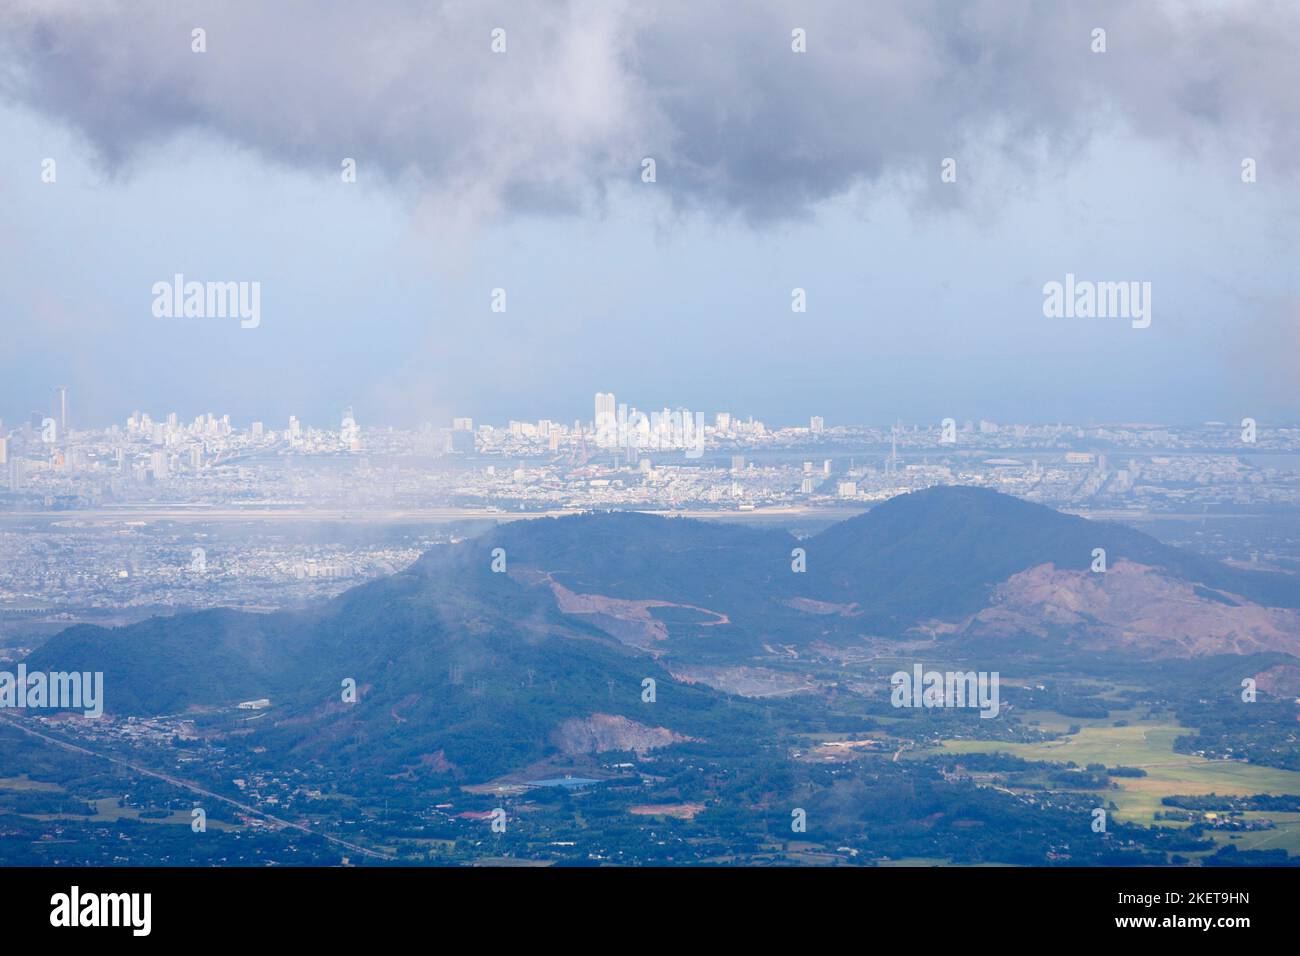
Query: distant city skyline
[
  {"x": 603, "y": 434},
  {"x": 64, "y": 413}
]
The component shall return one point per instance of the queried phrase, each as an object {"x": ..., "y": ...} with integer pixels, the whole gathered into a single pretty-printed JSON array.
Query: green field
[
  {"x": 1149, "y": 745},
  {"x": 108, "y": 810},
  {"x": 1286, "y": 836},
  {"x": 24, "y": 783}
]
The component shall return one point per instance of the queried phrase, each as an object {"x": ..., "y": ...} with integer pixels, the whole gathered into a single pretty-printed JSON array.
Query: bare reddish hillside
[{"x": 1136, "y": 608}]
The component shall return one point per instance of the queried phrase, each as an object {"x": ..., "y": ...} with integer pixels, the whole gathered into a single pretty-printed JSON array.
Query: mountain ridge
[{"x": 465, "y": 670}]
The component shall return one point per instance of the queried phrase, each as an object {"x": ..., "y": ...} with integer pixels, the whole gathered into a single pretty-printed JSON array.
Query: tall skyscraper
[
  {"x": 4, "y": 450},
  {"x": 349, "y": 432},
  {"x": 60, "y": 409},
  {"x": 816, "y": 424},
  {"x": 606, "y": 421}
]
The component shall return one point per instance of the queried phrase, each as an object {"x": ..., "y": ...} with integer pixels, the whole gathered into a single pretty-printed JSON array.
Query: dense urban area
[{"x": 133, "y": 515}]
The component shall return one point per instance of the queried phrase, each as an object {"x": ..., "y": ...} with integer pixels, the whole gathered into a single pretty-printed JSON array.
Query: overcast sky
[{"x": 522, "y": 170}]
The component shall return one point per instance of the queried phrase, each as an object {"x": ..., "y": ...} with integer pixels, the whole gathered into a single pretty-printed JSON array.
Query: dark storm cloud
[{"x": 736, "y": 121}]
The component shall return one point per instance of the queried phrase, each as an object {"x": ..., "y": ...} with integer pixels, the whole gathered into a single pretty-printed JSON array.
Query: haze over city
[{"x": 746, "y": 434}]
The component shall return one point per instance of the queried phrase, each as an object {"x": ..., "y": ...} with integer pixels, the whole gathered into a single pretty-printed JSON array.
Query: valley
[{"x": 646, "y": 690}]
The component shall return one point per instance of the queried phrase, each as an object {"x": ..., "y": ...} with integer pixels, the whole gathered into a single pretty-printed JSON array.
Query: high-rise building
[
  {"x": 349, "y": 432},
  {"x": 158, "y": 464},
  {"x": 605, "y": 424},
  {"x": 462, "y": 424},
  {"x": 816, "y": 424},
  {"x": 4, "y": 450},
  {"x": 606, "y": 420},
  {"x": 60, "y": 410},
  {"x": 722, "y": 421}
]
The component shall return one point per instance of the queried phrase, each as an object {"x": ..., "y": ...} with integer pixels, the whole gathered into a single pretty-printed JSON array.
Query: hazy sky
[{"x": 522, "y": 170}]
